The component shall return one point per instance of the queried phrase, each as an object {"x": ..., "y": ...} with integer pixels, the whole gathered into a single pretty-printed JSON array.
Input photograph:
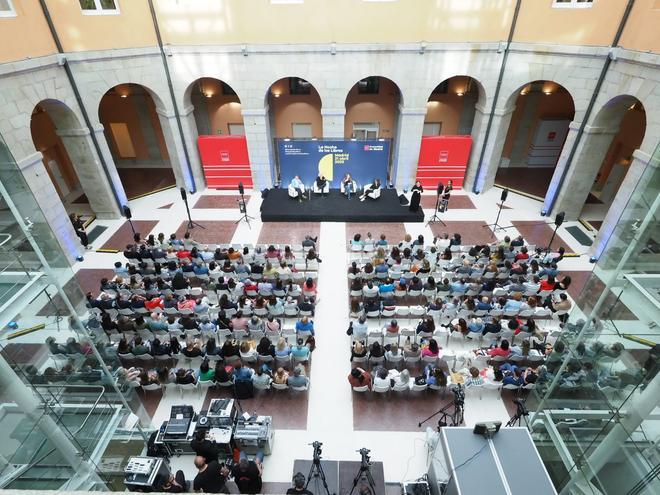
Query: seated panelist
[
  {"x": 296, "y": 188},
  {"x": 348, "y": 185},
  {"x": 371, "y": 191},
  {"x": 321, "y": 185}
]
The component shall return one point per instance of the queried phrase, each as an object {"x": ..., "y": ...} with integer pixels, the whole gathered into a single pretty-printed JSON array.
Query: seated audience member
[
  {"x": 242, "y": 373},
  {"x": 206, "y": 373},
  {"x": 184, "y": 376},
  {"x": 265, "y": 347},
  {"x": 435, "y": 376},
  {"x": 305, "y": 325},
  {"x": 360, "y": 328},
  {"x": 474, "y": 378},
  {"x": 261, "y": 379},
  {"x": 392, "y": 328},
  {"x": 282, "y": 350},
  {"x": 229, "y": 348},
  {"x": 281, "y": 376},
  {"x": 192, "y": 349},
  {"x": 393, "y": 353},
  {"x": 503, "y": 350},
  {"x": 382, "y": 379},
  {"x": 300, "y": 351},
  {"x": 359, "y": 378},
  {"x": 432, "y": 349},
  {"x": 246, "y": 352},
  {"x": 297, "y": 379},
  {"x": 210, "y": 477},
  {"x": 358, "y": 350},
  {"x": 376, "y": 350}
]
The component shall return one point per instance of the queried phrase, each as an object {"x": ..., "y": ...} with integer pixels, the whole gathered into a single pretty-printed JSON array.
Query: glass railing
[{"x": 596, "y": 420}]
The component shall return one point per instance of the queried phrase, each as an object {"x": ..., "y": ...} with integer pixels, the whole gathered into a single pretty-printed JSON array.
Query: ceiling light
[
  {"x": 123, "y": 96},
  {"x": 460, "y": 93}
]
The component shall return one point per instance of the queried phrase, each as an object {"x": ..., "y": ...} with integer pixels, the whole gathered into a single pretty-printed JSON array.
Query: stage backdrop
[{"x": 364, "y": 160}]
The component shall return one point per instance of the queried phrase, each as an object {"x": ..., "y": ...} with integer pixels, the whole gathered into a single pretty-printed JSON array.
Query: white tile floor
[{"x": 330, "y": 416}]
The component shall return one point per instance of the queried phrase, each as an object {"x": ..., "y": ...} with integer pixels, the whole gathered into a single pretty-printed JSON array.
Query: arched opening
[
  {"x": 537, "y": 131},
  {"x": 450, "y": 111},
  {"x": 217, "y": 108},
  {"x": 622, "y": 124},
  {"x": 372, "y": 109},
  {"x": 221, "y": 141},
  {"x": 294, "y": 108},
  {"x": 69, "y": 160},
  {"x": 135, "y": 137}
]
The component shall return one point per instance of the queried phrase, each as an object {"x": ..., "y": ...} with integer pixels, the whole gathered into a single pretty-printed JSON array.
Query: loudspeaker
[
  {"x": 241, "y": 189},
  {"x": 559, "y": 219},
  {"x": 183, "y": 193},
  {"x": 505, "y": 193},
  {"x": 127, "y": 212},
  {"x": 441, "y": 187},
  {"x": 403, "y": 200}
]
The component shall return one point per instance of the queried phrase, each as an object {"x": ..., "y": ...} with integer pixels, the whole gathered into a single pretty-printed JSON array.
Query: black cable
[{"x": 461, "y": 465}]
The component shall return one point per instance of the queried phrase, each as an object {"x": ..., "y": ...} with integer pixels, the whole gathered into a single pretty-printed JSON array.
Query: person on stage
[
  {"x": 297, "y": 184},
  {"x": 348, "y": 185},
  {"x": 417, "y": 187},
  {"x": 370, "y": 191},
  {"x": 321, "y": 182},
  {"x": 446, "y": 193}
]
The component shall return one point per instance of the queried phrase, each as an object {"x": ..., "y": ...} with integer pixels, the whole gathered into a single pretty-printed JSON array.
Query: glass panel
[
  {"x": 108, "y": 5},
  {"x": 88, "y": 4},
  {"x": 5, "y": 6},
  {"x": 596, "y": 395}
]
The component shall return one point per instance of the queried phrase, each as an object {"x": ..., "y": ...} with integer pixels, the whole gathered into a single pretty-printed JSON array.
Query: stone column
[
  {"x": 638, "y": 165},
  {"x": 260, "y": 146},
  {"x": 190, "y": 134},
  {"x": 333, "y": 122},
  {"x": 494, "y": 146},
  {"x": 580, "y": 177},
  {"x": 408, "y": 141},
  {"x": 45, "y": 194},
  {"x": 99, "y": 131},
  {"x": 174, "y": 144},
  {"x": 573, "y": 128},
  {"x": 95, "y": 185},
  {"x": 525, "y": 124},
  {"x": 201, "y": 114},
  {"x": 146, "y": 125}
]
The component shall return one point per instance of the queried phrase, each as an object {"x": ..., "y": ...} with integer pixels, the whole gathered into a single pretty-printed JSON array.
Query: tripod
[
  {"x": 435, "y": 217},
  {"x": 316, "y": 470},
  {"x": 242, "y": 208},
  {"x": 496, "y": 225},
  {"x": 364, "y": 473},
  {"x": 191, "y": 224},
  {"x": 456, "y": 417},
  {"x": 520, "y": 415}
]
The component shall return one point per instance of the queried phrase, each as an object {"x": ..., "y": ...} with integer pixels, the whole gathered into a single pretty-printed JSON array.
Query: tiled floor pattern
[
  {"x": 215, "y": 201},
  {"x": 142, "y": 180},
  {"x": 532, "y": 180},
  {"x": 210, "y": 232},
  {"x": 331, "y": 413},
  {"x": 456, "y": 202},
  {"x": 289, "y": 233},
  {"x": 124, "y": 235},
  {"x": 540, "y": 233}
]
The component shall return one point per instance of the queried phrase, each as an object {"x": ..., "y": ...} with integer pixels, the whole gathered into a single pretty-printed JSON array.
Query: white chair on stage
[
  {"x": 317, "y": 190},
  {"x": 293, "y": 192},
  {"x": 343, "y": 189},
  {"x": 375, "y": 194}
]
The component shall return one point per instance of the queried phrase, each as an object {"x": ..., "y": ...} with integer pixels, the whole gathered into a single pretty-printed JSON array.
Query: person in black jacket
[{"x": 204, "y": 447}]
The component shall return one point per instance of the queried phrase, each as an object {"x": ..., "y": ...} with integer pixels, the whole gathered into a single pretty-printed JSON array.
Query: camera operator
[
  {"x": 210, "y": 477},
  {"x": 298, "y": 486},
  {"x": 204, "y": 447},
  {"x": 247, "y": 474}
]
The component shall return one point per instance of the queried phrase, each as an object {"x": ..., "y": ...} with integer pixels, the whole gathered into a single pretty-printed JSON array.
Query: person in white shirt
[
  {"x": 442, "y": 241},
  {"x": 370, "y": 290},
  {"x": 382, "y": 379},
  {"x": 360, "y": 328},
  {"x": 297, "y": 184},
  {"x": 284, "y": 269}
]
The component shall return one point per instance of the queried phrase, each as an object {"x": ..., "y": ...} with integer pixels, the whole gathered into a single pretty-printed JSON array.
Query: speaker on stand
[
  {"x": 242, "y": 206},
  {"x": 559, "y": 219},
  {"x": 496, "y": 226},
  {"x": 127, "y": 213},
  {"x": 191, "y": 224},
  {"x": 435, "y": 217}
]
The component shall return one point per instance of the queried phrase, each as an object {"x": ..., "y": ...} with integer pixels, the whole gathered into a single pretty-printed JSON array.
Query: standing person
[
  {"x": 446, "y": 193},
  {"x": 417, "y": 187},
  {"x": 348, "y": 185},
  {"x": 210, "y": 477},
  {"x": 176, "y": 483},
  {"x": 247, "y": 474},
  {"x": 79, "y": 227}
]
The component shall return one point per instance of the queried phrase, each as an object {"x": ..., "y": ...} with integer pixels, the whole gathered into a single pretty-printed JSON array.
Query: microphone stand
[
  {"x": 435, "y": 217},
  {"x": 191, "y": 224}
]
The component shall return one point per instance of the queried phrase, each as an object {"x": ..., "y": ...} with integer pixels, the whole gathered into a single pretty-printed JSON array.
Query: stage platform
[{"x": 335, "y": 207}]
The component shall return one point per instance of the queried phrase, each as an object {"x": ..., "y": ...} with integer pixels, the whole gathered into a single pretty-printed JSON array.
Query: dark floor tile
[
  {"x": 612, "y": 308},
  {"x": 165, "y": 207},
  {"x": 214, "y": 231},
  {"x": 540, "y": 233},
  {"x": 596, "y": 224},
  {"x": 394, "y": 232},
  {"x": 288, "y": 233},
  {"x": 124, "y": 234},
  {"x": 150, "y": 400},
  {"x": 530, "y": 180},
  {"x": 394, "y": 411},
  {"x": 471, "y": 232},
  {"x": 213, "y": 201},
  {"x": 89, "y": 278},
  {"x": 138, "y": 181},
  {"x": 456, "y": 202}
]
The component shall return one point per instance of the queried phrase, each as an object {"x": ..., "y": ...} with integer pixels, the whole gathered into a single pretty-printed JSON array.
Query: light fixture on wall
[
  {"x": 276, "y": 94},
  {"x": 459, "y": 93},
  {"x": 547, "y": 93},
  {"x": 123, "y": 95}
]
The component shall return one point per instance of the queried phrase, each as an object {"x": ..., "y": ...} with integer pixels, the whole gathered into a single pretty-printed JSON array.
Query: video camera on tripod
[
  {"x": 521, "y": 409},
  {"x": 317, "y": 450},
  {"x": 459, "y": 395},
  {"x": 364, "y": 452}
]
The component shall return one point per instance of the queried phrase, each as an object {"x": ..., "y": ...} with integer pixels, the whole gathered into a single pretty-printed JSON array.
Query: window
[
  {"x": 368, "y": 86},
  {"x": 237, "y": 129},
  {"x": 299, "y": 86},
  {"x": 572, "y": 4},
  {"x": 303, "y": 131},
  {"x": 365, "y": 130},
  {"x": 7, "y": 9},
  {"x": 99, "y": 7},
  {"x": 432, "y": 128}
]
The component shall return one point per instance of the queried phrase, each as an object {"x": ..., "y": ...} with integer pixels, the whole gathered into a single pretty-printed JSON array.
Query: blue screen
[{"x": 364, "y": 160}]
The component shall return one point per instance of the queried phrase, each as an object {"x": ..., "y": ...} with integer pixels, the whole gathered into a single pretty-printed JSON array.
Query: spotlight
[
  {"x": 80, "y": 258},
  {"x": 593, "y": 259},
  {"x": 477, "y": 191},
  {"x": 12, "y": 324},
  {"x": 460, "y": 93},
  {"x": 544, "y": 213}
]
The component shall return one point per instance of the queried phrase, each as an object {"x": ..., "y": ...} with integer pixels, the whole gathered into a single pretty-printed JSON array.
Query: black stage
[{"x": 335, "y": 207}]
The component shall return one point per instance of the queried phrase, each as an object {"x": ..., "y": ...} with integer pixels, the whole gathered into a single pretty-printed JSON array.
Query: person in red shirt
[
  {"x": 503, "y": 350},
  {"x": 154, "y": 303},
  {"x": 183, "y": 254},
  {"x": 522, "y": 255},
  {"x": 359, "y": 378},
  {"x": 548, "y": 284}
]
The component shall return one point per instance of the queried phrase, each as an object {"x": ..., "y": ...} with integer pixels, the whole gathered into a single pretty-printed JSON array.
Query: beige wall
[
  {"x": 288, "y": 109},
  {"x": 539, "y": 22},
  {"x": 556, "y": 105},
  {"x": 29, "y": 26},
  {"x": 382, "y": 108},
  {"x": 131, "y": 28},
  {"x": 201, "y": 22},
  {"x": 642, "y": 28}
]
